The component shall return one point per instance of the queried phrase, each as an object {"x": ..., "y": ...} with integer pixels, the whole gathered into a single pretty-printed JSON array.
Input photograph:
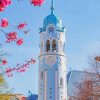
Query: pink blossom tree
[{"x": 15, "y": 37}]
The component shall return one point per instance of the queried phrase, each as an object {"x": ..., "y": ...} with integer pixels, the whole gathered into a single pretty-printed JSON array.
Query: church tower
[{"x": 52, "y": 84}]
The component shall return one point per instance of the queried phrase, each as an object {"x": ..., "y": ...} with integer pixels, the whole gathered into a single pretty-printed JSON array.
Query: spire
[{"x": 52, "y": 7}]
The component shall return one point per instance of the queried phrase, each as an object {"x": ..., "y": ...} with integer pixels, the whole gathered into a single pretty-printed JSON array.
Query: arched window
[
  {"x": 47, "y": 45},
  {"x": 41, "y": 75},
  {"x": 54, "y": 45},
  {"x": 64, "y": 47},
  {"x": 41, "y": 46},
  {"x": 61, "y": 81}
]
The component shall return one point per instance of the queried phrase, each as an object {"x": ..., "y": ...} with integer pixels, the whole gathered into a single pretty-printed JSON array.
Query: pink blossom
[
  {"x": 9, "y": 72},
  {"x": 19, "y": 41},
  {"x": 19, "y": 68},
  {"x": 4, "y": 62},
  {"x": 4, "y": 4},
  {"x": 8, "y": 2},
  {"x": 12, "y": 36},
  {"x": 37, "y": 2},
  {"x": 4, "y": 23},
  {"x": 22, "y": 25}
]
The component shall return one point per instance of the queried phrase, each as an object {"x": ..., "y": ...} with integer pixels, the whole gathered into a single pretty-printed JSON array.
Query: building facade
[{"x": 52, "y": 84}]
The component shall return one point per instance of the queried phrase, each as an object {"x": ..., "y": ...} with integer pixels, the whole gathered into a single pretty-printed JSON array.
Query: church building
[{"x": 52, "y": 83}]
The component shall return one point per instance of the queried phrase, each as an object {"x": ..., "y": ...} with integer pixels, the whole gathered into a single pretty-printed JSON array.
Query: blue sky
[{"x": 82, "y": 21}]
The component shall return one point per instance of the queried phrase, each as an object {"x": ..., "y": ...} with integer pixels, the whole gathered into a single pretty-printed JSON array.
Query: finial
[{"x": 52, "y": 7}]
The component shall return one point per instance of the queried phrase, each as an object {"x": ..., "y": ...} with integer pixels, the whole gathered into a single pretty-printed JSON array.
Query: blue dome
[{"x": 52, "y": 19}]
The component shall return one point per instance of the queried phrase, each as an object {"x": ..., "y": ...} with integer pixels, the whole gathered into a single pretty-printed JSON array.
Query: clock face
[
  {"x": 51, "y": 30},
  {"x": 51, "y": 60}
]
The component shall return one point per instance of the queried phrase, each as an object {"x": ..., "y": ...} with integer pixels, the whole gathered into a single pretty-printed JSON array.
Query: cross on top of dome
[{"x": 52, "y": 7}]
